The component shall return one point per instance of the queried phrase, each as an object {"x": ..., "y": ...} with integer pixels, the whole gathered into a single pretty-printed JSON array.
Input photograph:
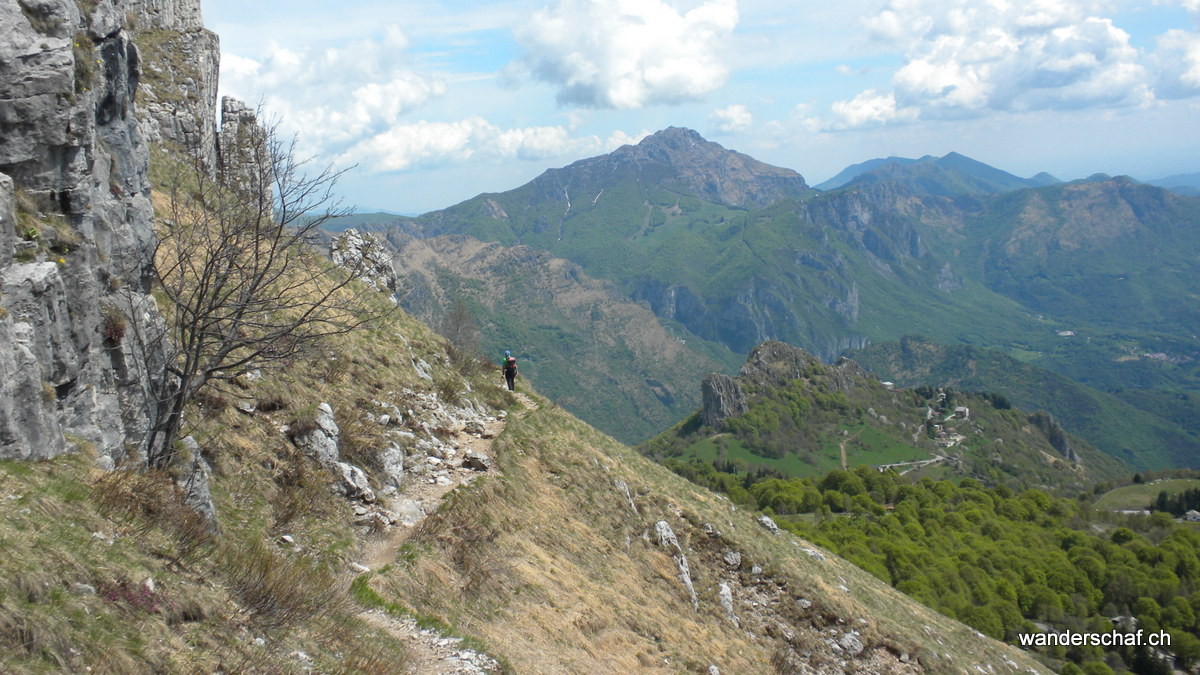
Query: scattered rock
[
  {"x": 476, "y": 462},
  {"x": 733, "y": 559},
  {"x": 726, "y": 595},
  {"x": 766, "y": 522},
  {"x": 666, "y": 536},
  {"x": 353, "y": 483}
]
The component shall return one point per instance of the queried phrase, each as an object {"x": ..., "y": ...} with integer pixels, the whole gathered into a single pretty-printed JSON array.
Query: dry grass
[
  {"x": 279, "y": 590},
  {"x": 551, "y": 567}
]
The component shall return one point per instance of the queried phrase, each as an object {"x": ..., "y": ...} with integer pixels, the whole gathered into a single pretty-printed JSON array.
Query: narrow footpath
[{"x": 431, "y": 652}]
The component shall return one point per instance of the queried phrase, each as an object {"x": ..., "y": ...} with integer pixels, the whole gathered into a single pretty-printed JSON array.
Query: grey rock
[
  {"x": 409, "y": 512},
  {"x": 666, "y": 536},
  {"x": 366, "y": 256},
  {"x": 766, "y": 522},
  {"x": 69, "y": 139},
  {"x": 814, "y": 553},
  {"x": 733, "y": 559},
  {"x": 721, "y": 398},
  {"x": 726, "y": 595},
  {"x": 476, "y": 462},
  {"x": 851, "y": 643},
  {"x": 195, "y": 486},
  {"x": 353, "y": 483},
  {"x": 624, "y": 488},
  {"x": 393, "y": 466},
  {"x": 322, "y": 441}
]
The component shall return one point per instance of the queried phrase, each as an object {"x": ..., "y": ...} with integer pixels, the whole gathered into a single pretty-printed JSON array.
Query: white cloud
[
  {"x": 333, "y": 96},
  {"x": 426, "y": 144},
  {"x": 628, "y": 54},
  {"x": 870, "y": 108},
  {"x": 1178, "y": 56},
  {"x": 731, "y": 119},
  {"x": 968, "y": 58}
]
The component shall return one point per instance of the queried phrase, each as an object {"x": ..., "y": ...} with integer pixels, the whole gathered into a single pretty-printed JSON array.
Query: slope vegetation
[{"x": 583, "y": 557}]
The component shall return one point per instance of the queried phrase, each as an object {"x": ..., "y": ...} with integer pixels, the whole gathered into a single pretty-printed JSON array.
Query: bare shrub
[
  {"x": 151, "y": 500},
  {"x": 280, "y": 591},
  {"x": 243, "y": 285}
]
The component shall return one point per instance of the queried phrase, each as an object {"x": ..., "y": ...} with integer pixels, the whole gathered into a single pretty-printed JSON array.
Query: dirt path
[{"x": 431, "y": 652}]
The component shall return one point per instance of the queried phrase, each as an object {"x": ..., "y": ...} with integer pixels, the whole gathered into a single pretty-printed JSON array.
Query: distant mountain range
[
  {"x": 1183, "y": 183},
  {"x": 946, "y": 176},
  {"x": 1094, "y": 280}
]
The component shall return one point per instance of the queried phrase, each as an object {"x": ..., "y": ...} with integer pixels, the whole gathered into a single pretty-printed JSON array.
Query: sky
[{"x": 430, "y": 102}]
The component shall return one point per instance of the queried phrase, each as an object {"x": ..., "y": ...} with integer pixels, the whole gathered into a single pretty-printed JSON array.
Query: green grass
[{"x": 1141, "y": 496}]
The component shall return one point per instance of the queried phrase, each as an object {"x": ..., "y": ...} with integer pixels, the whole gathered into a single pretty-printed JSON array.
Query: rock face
[
  {"x": 721, "y": 398},
  {"x": 76, "y": 219},
  {"x": 78, "y": 204}
]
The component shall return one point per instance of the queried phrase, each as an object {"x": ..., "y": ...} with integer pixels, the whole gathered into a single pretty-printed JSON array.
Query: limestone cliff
[{"x": 76, "y": 216}]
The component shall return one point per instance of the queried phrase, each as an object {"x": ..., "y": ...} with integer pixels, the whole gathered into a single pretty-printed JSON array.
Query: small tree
[
  {"x": 459, "y": 328},
  {"x": 243, "y": 286}
]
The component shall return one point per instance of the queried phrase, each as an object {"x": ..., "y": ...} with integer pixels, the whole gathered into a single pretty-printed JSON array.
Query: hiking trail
[{"x": 431, "y": 652}]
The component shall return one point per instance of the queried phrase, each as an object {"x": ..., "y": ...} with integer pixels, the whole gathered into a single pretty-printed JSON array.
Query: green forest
[{"x": 1002, "y": 561}]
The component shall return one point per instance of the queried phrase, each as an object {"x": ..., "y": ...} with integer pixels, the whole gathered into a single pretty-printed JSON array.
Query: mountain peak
[{"x": 680, "y": 158}]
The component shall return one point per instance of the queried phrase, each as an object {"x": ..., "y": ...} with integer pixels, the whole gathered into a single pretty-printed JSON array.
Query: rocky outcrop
[
  {"x": 771, "y": 364},
  {"x": 721, "y": 398},
  {"x": 775, "y": 363},
  {"x": 177, "y": 97},
  {"x": 367, "y": 256},
  {"x": 75, "y": 230}
]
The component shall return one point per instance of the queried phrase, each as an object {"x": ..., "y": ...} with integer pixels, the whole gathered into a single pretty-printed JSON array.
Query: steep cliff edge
[{"x": 75, "y": 210}]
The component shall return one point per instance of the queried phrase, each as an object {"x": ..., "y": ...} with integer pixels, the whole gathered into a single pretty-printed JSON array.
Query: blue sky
[{"x": 435, "y": 101}]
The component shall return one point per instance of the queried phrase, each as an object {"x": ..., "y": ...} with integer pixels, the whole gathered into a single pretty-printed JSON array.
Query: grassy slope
[
  {"x": 552, "y": 566},
  {"x": 547, "y": 565},
  {"x": 1142, "y": 495},
  {"x": 78, "y": 544}
]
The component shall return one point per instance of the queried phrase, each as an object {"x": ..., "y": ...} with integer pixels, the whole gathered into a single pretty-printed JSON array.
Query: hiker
[{"x": 510, "y": 370}]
